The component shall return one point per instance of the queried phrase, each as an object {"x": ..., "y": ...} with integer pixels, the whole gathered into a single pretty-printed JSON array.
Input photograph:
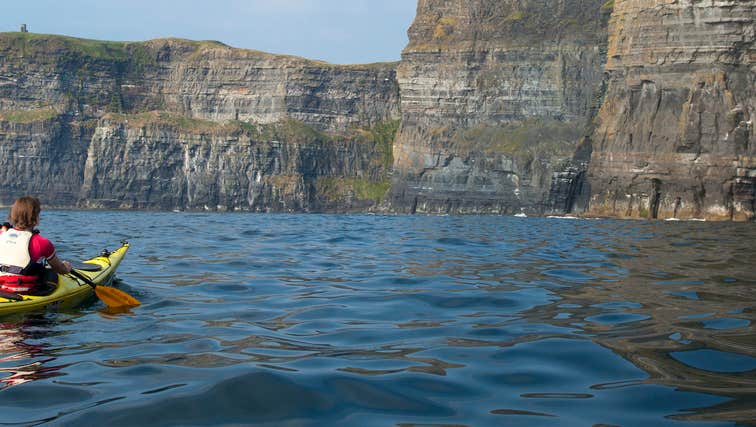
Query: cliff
[
  {"x": 497, "y": 106},
  {"x": 156, "y": 161},
  {"x": 178, "y": 124},
  {"x": 495, "y": 96},
  {"x": 675, "y": 135}
]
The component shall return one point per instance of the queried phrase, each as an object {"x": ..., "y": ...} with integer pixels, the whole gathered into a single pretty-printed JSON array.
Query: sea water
[{"x": 366, "y": 320}]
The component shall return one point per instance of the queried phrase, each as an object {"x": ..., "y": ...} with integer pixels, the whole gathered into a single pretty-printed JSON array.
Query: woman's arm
[{"x": 60, "y": 267}]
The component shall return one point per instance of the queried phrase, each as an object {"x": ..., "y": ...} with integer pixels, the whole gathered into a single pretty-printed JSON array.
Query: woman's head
[{"x": 25, "y": 212}]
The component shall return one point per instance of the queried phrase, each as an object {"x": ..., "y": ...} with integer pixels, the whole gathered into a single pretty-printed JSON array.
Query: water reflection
[
  {"x": 22, "y": 361},
  {"x": 684, "y": 316}
]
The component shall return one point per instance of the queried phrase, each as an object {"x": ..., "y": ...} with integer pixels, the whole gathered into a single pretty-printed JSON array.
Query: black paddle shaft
[
  {"x": 83, "y": 277},
  {"x": 83, "y": 266}
]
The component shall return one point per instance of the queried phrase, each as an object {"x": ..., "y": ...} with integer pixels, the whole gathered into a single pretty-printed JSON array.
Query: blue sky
[{"x": 339, "y": 31}]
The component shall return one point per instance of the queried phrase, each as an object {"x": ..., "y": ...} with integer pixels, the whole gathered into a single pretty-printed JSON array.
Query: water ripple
[{"x": 364, "y": 320}]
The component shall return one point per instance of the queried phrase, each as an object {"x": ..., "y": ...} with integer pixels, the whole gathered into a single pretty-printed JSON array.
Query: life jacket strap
[{"x": 11, "y": 269}]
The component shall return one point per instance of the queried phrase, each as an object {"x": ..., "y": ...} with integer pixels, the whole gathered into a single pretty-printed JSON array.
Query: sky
[{"x": 338, "y": 31}]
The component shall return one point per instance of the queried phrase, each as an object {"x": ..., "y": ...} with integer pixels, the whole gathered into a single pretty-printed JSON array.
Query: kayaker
[
  {"x": 23, "y": 251},
  {"x": 5, "y": 227}
]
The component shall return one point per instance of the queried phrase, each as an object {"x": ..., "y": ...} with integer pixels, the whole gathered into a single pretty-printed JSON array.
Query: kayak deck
[{"x": 69, "y": 291}]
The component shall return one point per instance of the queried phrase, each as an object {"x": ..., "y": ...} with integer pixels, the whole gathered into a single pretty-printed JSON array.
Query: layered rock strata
[
  {"x": 675, "y": 134},
  {"x": 285, "y": 167},
  {"x": 161, "y": 161},
  {"x": 179, "y": 124},
  {"x": 495, "y": 96},
  {"x": 200, "y": 80}
]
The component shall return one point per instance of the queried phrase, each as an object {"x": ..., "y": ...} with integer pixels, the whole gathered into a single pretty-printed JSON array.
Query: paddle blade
[{"x": 113, "y": 297}]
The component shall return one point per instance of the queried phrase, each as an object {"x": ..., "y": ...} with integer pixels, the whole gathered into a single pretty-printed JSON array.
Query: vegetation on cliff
[
  {"x": 38, "y": 45},
  {"x": 357, "y": 180},
  {"x": 547, "y": 136},
  {"x": 288, "y": 130},
  {"x": 28, "y": 116},
  {"x": 130, "y": 115},
  {"x": 334, "y": 190},
  {"x": 63, "y": 49},
  {"x": 371, "y": 191}
]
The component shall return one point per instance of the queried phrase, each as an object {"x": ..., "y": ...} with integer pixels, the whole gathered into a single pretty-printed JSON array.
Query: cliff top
[{"x": 50, "y": 46}]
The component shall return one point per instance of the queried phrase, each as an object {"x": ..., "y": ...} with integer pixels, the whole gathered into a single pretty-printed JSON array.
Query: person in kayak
[
  {"x": 23, "y": 251},
  {"x": 5, "y": 227}
]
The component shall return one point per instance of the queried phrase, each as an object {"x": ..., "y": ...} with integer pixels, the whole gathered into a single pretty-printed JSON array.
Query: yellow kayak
[{"x": 68, "y": 291}]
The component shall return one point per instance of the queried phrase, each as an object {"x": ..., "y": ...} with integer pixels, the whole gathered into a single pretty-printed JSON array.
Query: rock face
[
  {"x": 498, "y": 106},
  {"x": 675, "y": 134},
  {"x": 495, "y": 96},
  {"x": 227, "y": 168},
  {"x": 180, "y": 124},
  {"x": 199, "y": 80},
  {"x": 43, "y": 157}
]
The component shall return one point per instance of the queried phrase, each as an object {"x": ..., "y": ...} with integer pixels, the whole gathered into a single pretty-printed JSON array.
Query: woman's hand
[{"x": 60, "y": 267}]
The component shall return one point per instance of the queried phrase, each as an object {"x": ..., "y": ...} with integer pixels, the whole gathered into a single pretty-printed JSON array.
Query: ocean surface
[{"x": 362, "y": 320}]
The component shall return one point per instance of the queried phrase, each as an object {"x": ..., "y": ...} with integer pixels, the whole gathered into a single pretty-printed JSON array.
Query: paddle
[{"x": 112, "y": 297}]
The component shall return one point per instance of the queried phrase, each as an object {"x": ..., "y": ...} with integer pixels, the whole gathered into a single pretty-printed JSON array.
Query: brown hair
[{"x": 25, "y": 212}]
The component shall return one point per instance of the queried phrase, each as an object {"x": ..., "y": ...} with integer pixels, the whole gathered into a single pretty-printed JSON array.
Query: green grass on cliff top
[
  {"x": 31, "y": 44},
  {"x": 34, "y": 44}
]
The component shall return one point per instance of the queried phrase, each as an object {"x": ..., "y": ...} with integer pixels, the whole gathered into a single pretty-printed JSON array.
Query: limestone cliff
[
  {"x": 495, "y": 96},
  {"x": 502, "y": 106},
  {"x": 200, "y": 80},
  {"x": 285, "y": 167},
  {"x": 180, "y": 124},
  {"x": 675, "y": 134}
]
